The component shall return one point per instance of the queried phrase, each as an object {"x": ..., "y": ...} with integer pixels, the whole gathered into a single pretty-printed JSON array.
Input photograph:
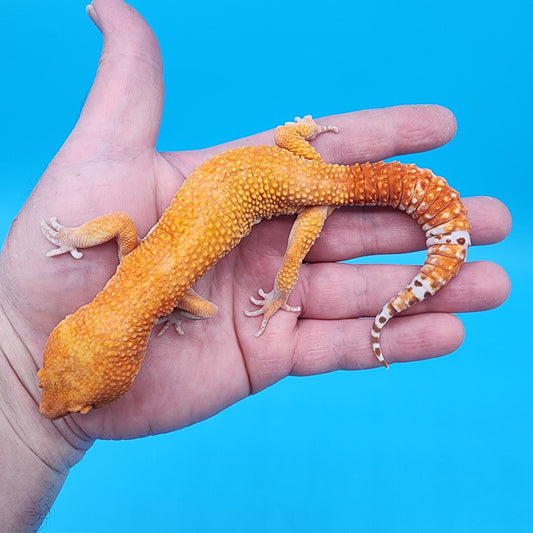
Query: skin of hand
[{"x": 109, "y": 163}]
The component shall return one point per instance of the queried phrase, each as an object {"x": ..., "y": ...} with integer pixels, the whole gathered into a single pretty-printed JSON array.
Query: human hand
[{"x": 109, "y": 163}]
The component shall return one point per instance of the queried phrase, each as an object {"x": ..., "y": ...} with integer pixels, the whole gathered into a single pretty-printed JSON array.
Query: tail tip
[
  {"x": 377, "y": 351},
  {"x": 380, "y": 357}
]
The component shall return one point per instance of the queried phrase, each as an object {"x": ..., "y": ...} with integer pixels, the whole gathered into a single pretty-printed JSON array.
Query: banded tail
[{"x": 440, "y": 212}]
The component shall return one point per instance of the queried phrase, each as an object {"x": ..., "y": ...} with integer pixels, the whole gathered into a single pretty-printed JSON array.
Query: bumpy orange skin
[{"x": 93, "y": 356}]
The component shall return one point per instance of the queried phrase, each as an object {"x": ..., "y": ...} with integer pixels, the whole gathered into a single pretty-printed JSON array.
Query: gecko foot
[
  {"x": 178, "y": 315},
  {"x": 169, "y": 320},
  {"x": 316, "y": 128},
  {"x": 60, "y": 236},
  {"x": 270, "y": 303}
]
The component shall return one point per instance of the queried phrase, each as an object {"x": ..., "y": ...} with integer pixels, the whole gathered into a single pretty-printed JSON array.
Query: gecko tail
[{"x": 445, "y": 254}]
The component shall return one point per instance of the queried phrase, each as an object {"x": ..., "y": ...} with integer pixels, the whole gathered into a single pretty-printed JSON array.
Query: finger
[
  {"x": 410, "y": 338},
  {"x": 339, "y": 291},
  {"x": 367, "y": 135},
  {"x": 356, "y": 232},
  {"x": 123, "y": 108}
]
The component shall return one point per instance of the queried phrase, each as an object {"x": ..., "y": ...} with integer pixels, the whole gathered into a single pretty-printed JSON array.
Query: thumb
[{"x": 123, "y": 108}]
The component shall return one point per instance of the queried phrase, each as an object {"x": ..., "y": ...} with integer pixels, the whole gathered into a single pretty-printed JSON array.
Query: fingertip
[
  {"x": 490, "y": 218},
  {"x": 422, "y": 127},
  {"x": 445, "y": 121},
  {"x": 124, "y": 29},
  {"x": 493, "y": 283},
  {"x": 420, "y": 337},
  {"x": 124, "y": 104},
  {"x": 93, "y": 15}
]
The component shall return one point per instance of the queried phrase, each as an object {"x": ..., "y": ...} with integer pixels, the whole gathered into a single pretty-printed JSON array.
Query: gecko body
[{"x": 93, "y": 355}]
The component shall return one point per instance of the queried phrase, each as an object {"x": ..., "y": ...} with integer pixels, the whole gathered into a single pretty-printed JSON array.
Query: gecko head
[
  {"x": 56, "y": 402},
  {"x": 61, "y": 377},
  {"x": 82, "y": 370}
]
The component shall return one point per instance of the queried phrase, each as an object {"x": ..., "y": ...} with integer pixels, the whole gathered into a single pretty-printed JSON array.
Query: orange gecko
[{"x": 93, "y": 355}]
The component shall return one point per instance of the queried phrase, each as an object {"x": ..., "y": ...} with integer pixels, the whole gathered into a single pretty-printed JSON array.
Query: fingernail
[{"x": 93, "y": 15}]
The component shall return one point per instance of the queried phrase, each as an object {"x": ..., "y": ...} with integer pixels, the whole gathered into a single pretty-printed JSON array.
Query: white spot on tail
[
  {"x": 421, "y": 287},
  {"x": 459, "y": 237}
]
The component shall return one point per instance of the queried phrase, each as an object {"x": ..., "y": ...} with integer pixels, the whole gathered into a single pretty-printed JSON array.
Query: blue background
[{"x": 439, "y": 446}]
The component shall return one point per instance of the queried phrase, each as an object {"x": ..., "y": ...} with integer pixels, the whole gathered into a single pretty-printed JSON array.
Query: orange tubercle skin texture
[{"x": 93, "y": 355}]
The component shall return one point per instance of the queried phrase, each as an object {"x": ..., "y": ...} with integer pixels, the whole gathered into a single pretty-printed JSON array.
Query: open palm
[{"x": 109, "y": 163}]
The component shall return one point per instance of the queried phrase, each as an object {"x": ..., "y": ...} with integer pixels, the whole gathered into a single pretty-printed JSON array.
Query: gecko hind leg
[
  {"x": 294, "y": 136},
  {"x": 304, "y": 232}
]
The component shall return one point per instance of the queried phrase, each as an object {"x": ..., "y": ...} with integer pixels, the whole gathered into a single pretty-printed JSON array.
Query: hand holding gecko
[{"x": 109, "y": 163}]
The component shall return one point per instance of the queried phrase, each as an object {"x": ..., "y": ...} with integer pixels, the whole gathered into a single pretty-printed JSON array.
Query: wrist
[{"x": 35, "y": 453}]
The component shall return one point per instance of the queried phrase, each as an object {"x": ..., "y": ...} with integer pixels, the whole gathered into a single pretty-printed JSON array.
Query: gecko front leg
[
  {"x": 191, "y": 307},
  {"x": 117, "y": 226}
]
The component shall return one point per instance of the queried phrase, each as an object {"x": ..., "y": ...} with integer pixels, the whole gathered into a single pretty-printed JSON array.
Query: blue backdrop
[{"x": 439, "y": 446}]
